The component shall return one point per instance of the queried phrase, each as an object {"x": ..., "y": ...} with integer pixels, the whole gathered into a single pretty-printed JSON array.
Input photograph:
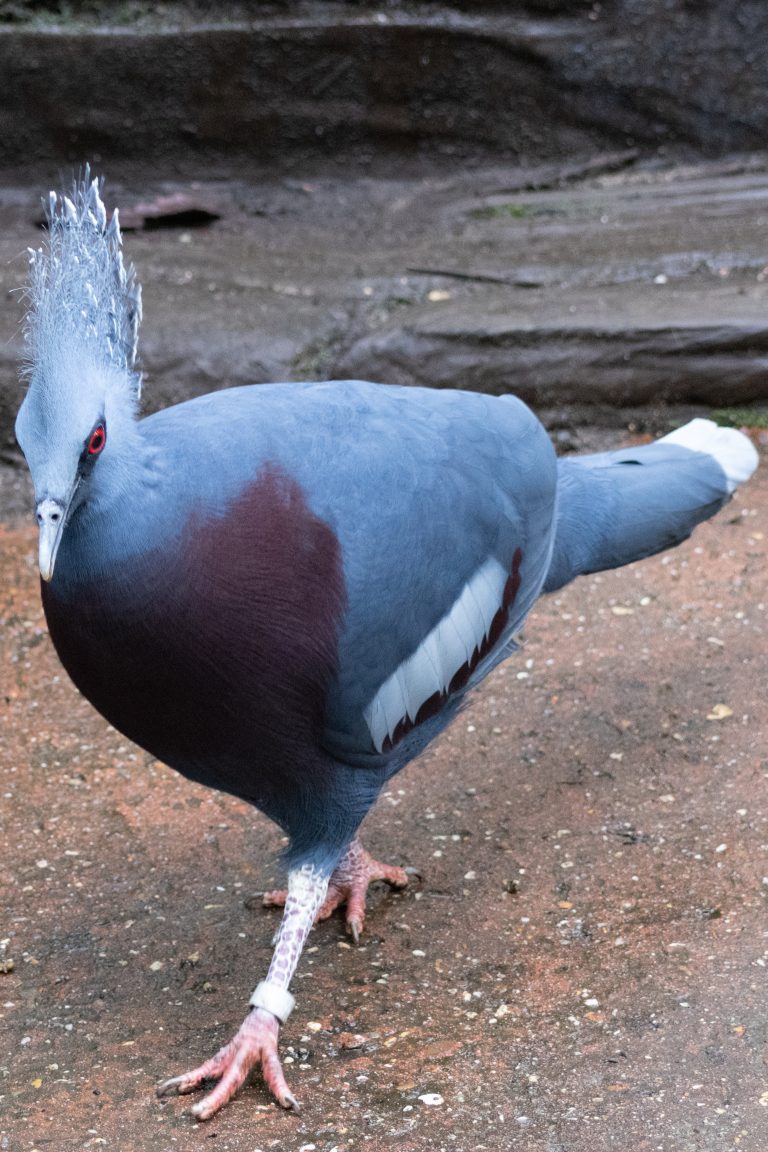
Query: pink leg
[
  {"x": 255, "y": 1043},
  {"x": 349, "y": 884}
]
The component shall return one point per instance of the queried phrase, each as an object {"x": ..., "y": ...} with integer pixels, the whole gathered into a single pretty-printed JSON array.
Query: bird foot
[
  {"x": 254, "y": 1044},
  {"x": 349, "y": 885}
]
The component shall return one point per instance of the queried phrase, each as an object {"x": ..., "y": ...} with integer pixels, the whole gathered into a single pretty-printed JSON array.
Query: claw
[
  {"x": 349, "y": 885},
  {"x": 354, "y": 928},
  {"x": 255, "y": 1044},
  {"x": 290, "y": 1102},
  {"x": 172, "y": 1087}
]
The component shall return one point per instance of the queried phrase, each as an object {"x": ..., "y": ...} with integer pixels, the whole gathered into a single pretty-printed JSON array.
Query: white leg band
[{"x": 273, "y": 999}]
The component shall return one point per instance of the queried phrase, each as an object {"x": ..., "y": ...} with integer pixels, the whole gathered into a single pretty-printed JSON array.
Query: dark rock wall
[{"x": 306, "y": 83}]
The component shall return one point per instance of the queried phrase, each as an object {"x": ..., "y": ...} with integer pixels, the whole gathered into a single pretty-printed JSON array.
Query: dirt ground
[
  {"x": 581, "y": 967},
  {"x": 583, "y": 964}
]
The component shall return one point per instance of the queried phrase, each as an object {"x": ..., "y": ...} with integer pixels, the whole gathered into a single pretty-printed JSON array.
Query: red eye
[{"x": 97, "y": 440}]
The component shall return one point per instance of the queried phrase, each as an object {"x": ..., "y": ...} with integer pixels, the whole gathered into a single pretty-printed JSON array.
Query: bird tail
[{"x": 616, "y": 507}]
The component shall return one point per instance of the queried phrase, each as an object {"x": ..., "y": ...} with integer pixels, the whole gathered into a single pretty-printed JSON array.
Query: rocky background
[
  {"x": 564, "y": 199},
  {"x": 567, "y": 200},
  {"x": 278, "y": 86}
]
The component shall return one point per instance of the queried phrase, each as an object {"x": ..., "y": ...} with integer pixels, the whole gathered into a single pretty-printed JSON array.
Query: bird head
[{"x": 81, "y": 331}]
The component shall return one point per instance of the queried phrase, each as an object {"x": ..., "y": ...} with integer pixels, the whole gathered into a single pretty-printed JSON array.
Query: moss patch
[{"x": 741, "y": 417}]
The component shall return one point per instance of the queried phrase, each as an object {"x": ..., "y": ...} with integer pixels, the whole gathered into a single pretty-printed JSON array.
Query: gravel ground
[{"x": 582, "y": 965}]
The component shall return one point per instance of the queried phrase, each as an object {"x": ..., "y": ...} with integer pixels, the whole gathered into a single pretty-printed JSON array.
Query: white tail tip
[{"x": 734, "y": 452}]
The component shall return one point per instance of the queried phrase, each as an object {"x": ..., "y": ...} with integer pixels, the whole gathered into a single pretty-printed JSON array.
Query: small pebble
[
  {"x": 431, "y": 1099},
  {"x": 351, "y": 1040}
]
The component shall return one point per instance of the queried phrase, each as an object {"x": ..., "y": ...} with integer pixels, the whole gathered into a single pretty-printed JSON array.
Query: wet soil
[{"x": 581, "y": 966}]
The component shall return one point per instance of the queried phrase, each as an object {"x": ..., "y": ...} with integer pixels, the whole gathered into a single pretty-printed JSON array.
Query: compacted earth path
[{"x": 581, "y": 963}]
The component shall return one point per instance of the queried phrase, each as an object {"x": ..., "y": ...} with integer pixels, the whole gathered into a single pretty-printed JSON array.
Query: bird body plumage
[
  {"x": 298, "y": 574},
  {"x": 286, "y": 591}
]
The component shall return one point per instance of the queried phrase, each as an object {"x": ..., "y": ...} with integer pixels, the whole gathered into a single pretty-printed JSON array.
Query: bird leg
[
  {"x": 255, "y": 1043},
  {"x": 349, "y": 884}
]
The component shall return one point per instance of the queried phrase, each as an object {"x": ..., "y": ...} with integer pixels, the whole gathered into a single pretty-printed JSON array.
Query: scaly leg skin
[
  {"x": 349, "y": 884},
  {"x": 256, "y": 1040}
]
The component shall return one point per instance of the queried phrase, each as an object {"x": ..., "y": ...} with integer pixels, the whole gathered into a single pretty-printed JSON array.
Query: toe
[
  {"x": 274, "y": 899},
  {"x": 335, "y": 897},
  {"x": 272, "y": 1072},
  {"x": 397, "y": 877},
  {"x": 190, "y": 1081},
  {"x": 233, "y": 1078},
  {"x": 356, "y": 911}
]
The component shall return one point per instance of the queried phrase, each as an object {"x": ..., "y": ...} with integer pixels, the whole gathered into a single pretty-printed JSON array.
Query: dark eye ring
[{"x": 97, "y": 440}]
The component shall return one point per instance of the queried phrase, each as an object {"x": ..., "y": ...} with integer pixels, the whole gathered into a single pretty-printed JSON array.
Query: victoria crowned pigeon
[{"x": 286, "y": 591}]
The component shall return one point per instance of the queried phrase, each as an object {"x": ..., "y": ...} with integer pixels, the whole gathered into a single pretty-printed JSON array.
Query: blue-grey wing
[{"x": 445, "y": 517}]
